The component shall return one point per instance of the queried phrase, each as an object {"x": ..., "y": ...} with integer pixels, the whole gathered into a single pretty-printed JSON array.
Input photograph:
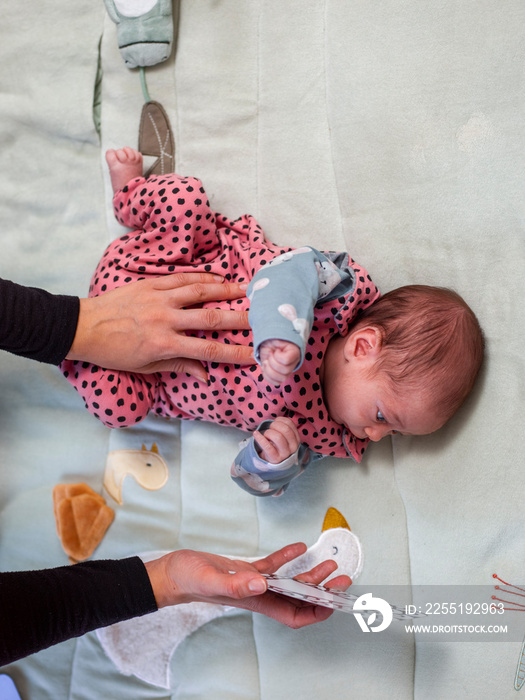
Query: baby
[{"x": 336, "y": 364}]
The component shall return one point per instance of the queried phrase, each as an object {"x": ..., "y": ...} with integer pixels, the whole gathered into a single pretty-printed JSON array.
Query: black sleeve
[
  {"x": 42, "y": 608},
  {"x": 35, "y": 323}
]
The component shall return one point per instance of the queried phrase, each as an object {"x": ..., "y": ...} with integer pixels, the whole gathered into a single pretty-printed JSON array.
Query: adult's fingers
[
  {"x": 318, "y": 573},
  {"x": 213, "y": 351},
  {"x": 339, "y": 583},
  {"x": 210, "y": 319},
  {"x": 275, "y": 560},
  {"x": 182, "y": 365},
  {"x": 182, "y": 279},
  {"x": 187, "y": 293}
]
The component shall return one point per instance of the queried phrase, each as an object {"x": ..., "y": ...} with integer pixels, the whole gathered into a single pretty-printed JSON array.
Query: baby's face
[{"x": 369, "y": 406}]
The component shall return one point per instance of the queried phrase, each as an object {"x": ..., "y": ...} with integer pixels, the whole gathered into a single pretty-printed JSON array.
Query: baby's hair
[{"x": 431, "y": 341}]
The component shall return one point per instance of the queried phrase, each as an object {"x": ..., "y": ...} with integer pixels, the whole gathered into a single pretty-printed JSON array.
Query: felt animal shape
[
  {"x": 82, "y": 518},
  {"x": 156, "y": 139},
  {"x": 336, "y": 542},
  {"x": 147, "y": 467},
  {"x": 144, "y": 646},
  {"x": 144, "y": 30}
]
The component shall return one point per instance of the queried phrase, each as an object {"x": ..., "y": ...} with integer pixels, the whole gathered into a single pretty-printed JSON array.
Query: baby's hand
[
  {"x": 279, "y": 358},
  {"x": 278, "y": 442}
]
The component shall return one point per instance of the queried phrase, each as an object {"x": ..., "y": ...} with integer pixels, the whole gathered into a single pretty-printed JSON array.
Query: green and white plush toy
[
  {"x": 145, "y": 36},
  {"x": 144, "y": 30}
]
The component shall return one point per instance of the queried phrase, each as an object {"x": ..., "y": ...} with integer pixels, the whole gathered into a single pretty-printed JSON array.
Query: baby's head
[{"x": 409, "y": 362}]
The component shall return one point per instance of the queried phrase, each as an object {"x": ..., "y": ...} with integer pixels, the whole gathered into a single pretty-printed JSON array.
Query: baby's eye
[{"x": 380, "y": 417}]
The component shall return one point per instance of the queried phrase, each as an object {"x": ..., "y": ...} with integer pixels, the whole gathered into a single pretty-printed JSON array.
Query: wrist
[
  {"x": 80, "y": 348},
  {"x": 165, "y": 590},
  {"x": 159, "y": 584}
]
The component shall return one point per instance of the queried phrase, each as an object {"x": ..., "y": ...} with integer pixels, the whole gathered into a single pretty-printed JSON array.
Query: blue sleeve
[
  {"x": 261, "y": 478},
  {"x": 283, "y": 295}
]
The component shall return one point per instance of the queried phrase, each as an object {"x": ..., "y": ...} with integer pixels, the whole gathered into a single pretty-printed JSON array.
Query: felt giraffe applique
[{"x": 147, "y": 467}]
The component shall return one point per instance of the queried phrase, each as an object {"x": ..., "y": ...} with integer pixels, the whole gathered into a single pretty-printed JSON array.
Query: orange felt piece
[{"x": 82, "y": 519}]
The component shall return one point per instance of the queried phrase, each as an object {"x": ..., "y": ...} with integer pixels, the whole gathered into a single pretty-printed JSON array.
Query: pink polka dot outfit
[{"x": 303, "y": 296}]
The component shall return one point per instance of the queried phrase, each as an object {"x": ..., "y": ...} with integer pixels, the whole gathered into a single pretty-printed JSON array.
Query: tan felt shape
[{"x": 82, "y": 519}]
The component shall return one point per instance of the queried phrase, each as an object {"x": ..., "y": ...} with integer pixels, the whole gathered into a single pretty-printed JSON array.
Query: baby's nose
[{"x": 377, "y": 432}]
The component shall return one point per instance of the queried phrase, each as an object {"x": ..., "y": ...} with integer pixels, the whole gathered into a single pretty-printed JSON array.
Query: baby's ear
[{"x": 365, "y": 342}]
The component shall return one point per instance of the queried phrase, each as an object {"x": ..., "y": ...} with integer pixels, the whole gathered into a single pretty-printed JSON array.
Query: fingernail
[
  {"x": 257, "y": 585},
  {"x": 244, "y": 286},
  {"x": 218, "y": 278}
]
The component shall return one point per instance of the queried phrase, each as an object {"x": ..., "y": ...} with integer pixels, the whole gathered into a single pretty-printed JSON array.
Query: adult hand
[
  {"x": 186, "y": 576},
  {"x": 140, "y": 327}
]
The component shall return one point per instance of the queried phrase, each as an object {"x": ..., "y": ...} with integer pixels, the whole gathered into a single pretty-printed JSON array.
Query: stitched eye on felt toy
[
  {"x": 147, "y": 467},
  {"x": 334, "y": 550}
]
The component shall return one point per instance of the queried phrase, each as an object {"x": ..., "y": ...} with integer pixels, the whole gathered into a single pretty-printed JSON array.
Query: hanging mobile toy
[
  {"x": 145, "y": 34},
  {"x": 516, "y": 593}
]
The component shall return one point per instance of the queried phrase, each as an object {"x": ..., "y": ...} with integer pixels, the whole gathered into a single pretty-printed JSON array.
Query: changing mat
[{"x": 393, "y": 130}]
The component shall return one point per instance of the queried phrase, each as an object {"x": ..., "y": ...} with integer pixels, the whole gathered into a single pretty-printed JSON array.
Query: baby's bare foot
[{"x": 125, "y": 164}]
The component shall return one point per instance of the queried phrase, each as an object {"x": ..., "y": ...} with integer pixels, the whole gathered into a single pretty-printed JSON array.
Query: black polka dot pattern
[{"x": 175, "y": 230}]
